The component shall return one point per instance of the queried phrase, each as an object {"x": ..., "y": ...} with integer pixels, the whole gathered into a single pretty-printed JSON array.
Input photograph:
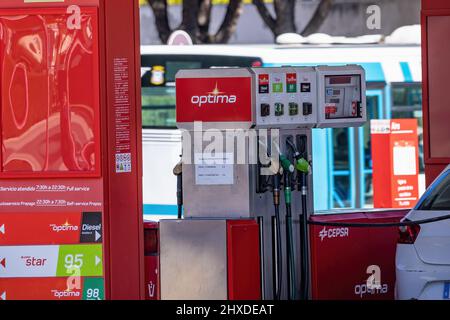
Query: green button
[
  {"x": 82, "y": 260},
  {"x": 291, "y": 88},
  {"x": 94, "y": 289},
  {"x": 277, "y": 87}
]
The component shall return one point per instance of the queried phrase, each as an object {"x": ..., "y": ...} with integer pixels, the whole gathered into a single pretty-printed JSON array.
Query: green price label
[
  {"x": 291, "y": 88},
  {"x": 277, "y": 87},
  {"x": 94, "y": 289},
  {"x": 80, "y": 260}
]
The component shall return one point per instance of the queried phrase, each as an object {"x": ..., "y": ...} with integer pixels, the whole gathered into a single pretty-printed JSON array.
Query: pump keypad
[
  {"x": 307, "y": 108},
  {"x": 265, "y": 110},
  {"x": 293, "y": 109},
  {"x": 279, "y": 109}
]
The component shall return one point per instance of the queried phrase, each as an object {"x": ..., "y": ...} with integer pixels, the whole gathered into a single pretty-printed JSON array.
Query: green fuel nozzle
[
  {"x": 286, "y": 164},
  {"x": 302, "y": 165},
  {"x": 289, "y": 169},
  {"x": 288, "y": 195}
]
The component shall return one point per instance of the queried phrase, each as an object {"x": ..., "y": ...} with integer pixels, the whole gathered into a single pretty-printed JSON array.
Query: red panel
[
  {"x": 152, "y": 279},
  {"x": 125, "y": 218},
  {"x": 38, "y": 289},
  {"x": 382, "y": 248},
  {"x": 54, "y": 4},
  {"x": 50, "y": 119},
  {"x": 50, "y": 195},
  {"x": 85, "y": 96},
  {"x": 395, "y": 187},
  {"x": 340, "y": 256},
  {"x": 435, "y": 51},
  {"x": 438, "y": 75},
  {"x": 214, "y": 100},
  {"x": 382, "y": 170},
  {"x": 244, "y": 266},
  {"x": 40, "y": 228},
  {"x": 435, "y": 4},
  {"x": 432, "y": 171}
]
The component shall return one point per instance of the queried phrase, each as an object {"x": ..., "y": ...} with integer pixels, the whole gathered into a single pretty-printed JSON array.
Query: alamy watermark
[
  {"x": 232, "y": 146},
  {"x": 373, "y": 21}
]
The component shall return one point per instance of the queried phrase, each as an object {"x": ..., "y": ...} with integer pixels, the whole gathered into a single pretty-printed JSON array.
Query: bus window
[
  {"x": 158, "y": 107},
  {"x": 158, "y": 92},
  {"x": 407, "y": 104},
  {"x": 342, "y": 196},
  {"x": 374, "y": 106}
]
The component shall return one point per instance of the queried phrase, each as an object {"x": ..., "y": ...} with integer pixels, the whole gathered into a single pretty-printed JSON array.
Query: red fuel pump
[
  {"x": 70, "y": 169},
  {"x": 245, "y": 175}
]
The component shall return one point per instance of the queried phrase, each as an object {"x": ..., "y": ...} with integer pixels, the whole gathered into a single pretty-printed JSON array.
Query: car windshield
[{"x": 438, "y": 197}]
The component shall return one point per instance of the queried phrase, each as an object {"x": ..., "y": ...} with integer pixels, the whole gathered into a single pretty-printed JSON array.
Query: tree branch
[
  {"x": 318, "y": 18},
  {"x": 189, "y": 22},
  {"x": 265, "y": 14},
  {"x": 285, "y": 13},
  {"x": 229, "y": 23},
  {"x": 204, "y": 20},
  {"x": 159, "y": 8}
]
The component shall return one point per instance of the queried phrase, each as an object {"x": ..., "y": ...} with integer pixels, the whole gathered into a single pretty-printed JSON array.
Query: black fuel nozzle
[
  {"x": 294, "y": 149},
  {"x": 276, "y": 188},
  {"x": 178, "y": 172}
]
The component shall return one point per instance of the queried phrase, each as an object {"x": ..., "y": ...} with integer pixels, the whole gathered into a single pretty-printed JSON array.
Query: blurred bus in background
[{"x": 342, "y": 157}]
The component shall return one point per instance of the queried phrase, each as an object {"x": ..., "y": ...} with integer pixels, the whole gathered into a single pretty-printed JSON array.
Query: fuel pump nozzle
[
  {"x": 178, "y": 172},
  {"x": 289, "y": 170},
  {"x": 277, "y": 171},
  {"x": 303, "y": 168}
]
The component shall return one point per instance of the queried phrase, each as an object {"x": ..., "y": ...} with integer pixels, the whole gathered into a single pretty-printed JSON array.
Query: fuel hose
[
  {"x": 288, "y": 169},
  {"x": 279, "y": 261},
  {"x": 303, "y": 167},
  {"x": 304, "y": 240},
  {"x": 378, "y": 225}
]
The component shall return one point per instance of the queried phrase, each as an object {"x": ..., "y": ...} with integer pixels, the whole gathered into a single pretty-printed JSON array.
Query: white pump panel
[
  {"x": 341, "y": 96},
  {"x": 285, "y": 97}
]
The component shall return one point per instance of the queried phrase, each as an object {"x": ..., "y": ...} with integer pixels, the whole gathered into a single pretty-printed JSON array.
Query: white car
[{"x": 423, "y": 252}]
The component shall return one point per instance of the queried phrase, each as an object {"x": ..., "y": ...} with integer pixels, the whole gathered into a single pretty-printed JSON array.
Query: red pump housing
[{"x": 70, "y": 162}]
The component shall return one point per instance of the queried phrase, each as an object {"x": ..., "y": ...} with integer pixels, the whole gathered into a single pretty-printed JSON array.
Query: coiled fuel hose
[
  {"x": 303, "y": 167},
  {"x": 378, "y": 225}
]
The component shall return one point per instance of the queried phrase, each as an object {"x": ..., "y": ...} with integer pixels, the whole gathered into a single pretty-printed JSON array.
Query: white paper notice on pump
[{"x": 214, "y": 168}]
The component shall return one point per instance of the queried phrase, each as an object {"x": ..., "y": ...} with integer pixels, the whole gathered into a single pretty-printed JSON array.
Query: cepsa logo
[
  {"x": 66, "y": 227},
  {"x": 333, "y": 233},
  {"x": 213, "y": 97}
]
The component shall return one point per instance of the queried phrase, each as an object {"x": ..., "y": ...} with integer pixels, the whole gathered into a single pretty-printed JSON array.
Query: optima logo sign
[
  {"x": 66, "y": 227},
  {"x": 213, "y": 97},
  {"x": 66, "y": 294}
]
